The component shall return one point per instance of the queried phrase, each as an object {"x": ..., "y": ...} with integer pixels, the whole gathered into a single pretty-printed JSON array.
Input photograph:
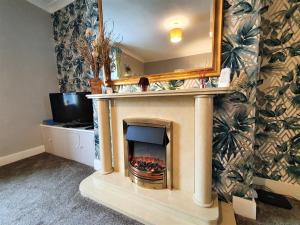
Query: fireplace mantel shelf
[{"x": 180, "y": 92}]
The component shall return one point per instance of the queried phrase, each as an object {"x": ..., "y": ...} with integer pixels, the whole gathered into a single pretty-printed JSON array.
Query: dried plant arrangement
[
  {"x": 86, "y": 51},
  {"x": 97, "y": 53}
]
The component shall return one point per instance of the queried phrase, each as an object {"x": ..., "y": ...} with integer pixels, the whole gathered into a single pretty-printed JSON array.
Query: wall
[
  {"x": 136, "y": 66},
  {"x": 182, "y": 63},
  {"x": 27, "y": 74},
  {"x": 278, "y": 122},
  {"x": 163, "y": 66}
]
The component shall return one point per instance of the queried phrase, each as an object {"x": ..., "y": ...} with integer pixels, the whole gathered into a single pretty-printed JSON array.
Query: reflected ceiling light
[
  {"x": 175, "y": 26},
  {"x": 176, "y": 35}
]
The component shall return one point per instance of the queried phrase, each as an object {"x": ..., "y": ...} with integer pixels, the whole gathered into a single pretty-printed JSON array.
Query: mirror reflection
[{"x": 160, "y": 36}]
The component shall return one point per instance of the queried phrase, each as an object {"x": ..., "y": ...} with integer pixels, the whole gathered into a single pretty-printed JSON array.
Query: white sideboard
[{"x": 72, "y": 143}]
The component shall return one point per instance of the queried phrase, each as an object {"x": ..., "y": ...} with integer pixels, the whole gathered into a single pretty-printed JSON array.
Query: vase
[
  {"x": 106, "y": 72},
  {"x": 144, "y": 83},
  {"x": 96, "y": 86}
]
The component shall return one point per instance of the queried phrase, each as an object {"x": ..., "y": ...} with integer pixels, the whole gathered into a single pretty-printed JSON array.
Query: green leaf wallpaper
[
  {"x": 69, "y": 24},
  {"x": 256, "y": 127},
  {"x": 277, "y": 142}
]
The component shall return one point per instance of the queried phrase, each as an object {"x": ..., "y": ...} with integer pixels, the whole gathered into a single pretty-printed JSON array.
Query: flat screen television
[{"x": 73, "y": 107}]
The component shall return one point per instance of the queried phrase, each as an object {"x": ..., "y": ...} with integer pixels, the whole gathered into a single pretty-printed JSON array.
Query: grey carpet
[{"x": 43, "y": 190}]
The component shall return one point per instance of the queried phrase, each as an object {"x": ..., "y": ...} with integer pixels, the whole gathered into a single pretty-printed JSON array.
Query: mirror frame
[{"x": 213, "y": 71}]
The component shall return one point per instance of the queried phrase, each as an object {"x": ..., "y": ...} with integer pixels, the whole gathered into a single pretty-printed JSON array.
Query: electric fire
[{"x": 148, "y": 155}]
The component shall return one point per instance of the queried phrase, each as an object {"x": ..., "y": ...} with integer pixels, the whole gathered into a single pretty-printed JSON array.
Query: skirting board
[
  {"x": 21, "y": 155},
  {"x": 292, "y": 190}
]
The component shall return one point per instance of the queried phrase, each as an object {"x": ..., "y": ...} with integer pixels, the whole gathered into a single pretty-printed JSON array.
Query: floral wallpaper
[
  {"x": 277, "y": 142},
  {"x": 233, "y": 162},
  {"x": 96, "y": 131},
  {"x": 69, "y": 24},
  {"x": 248, "y": 122}
]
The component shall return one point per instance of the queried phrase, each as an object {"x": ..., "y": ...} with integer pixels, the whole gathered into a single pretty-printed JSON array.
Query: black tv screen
[{"x": 71, "y": 107}]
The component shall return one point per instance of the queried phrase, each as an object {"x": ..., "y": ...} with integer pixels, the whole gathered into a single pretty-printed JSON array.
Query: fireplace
[{"x": 148, "y": 152}]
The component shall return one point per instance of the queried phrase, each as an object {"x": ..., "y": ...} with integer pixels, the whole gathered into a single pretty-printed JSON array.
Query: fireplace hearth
[{"x": 148, "y": 152}]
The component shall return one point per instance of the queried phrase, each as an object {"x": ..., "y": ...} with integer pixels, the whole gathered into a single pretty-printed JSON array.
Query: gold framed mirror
[{"x": 164, "y": 40}]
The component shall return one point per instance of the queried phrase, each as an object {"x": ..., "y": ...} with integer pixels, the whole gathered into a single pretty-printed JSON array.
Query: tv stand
[
  {"x": 72, "y": 143},
  {"x": 76, "y": 124}
]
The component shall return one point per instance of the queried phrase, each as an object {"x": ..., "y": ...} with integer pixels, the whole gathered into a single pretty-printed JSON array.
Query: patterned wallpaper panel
[
  {"x": 69, "y": 24},
  {"x": 234, "y": 114},
  {"x": 277, "y": 145},
  {"x": 247, "y": 123}
]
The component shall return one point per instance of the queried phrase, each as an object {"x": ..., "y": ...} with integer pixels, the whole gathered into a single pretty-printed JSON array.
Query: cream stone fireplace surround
[{"x": 191, "y": 200}]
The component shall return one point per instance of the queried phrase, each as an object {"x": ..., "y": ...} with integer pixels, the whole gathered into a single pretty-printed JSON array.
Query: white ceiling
[
  {"x": 141, "y": 24},
  {"x": 50, "y": 5}
]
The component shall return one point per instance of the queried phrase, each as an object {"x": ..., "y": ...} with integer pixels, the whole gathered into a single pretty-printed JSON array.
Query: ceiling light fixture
[
  {"x": 175, "y": 26},
  {"x": 176, "y": 35}
]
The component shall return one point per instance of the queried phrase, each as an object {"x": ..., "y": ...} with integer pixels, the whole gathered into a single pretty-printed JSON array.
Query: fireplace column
[
  {"x": 105, "y": 161},
  {"x": 203, "y": 150}
]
